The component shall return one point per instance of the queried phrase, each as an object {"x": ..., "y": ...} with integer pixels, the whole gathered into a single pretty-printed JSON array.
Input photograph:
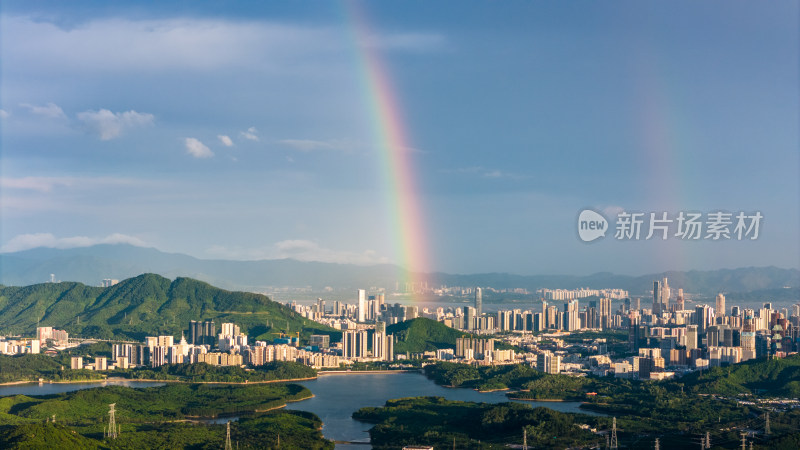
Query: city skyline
[{"x": 249, "y": 132}]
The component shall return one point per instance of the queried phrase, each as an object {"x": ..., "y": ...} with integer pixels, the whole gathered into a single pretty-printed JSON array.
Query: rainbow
[
  {"x": 404, "y": 210},
  {"x": 664, "y": 140}
]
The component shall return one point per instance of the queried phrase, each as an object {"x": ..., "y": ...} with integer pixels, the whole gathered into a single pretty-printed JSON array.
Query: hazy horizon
[{"x": 432, "y": 272}]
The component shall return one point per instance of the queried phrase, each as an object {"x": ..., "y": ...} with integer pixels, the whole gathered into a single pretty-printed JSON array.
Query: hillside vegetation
[
  {"x": 421, "y": 335},
  {"x": 766, "y": 377},
  {"x": 445, "y": 423},
  {"x": 160, "y": 417},
  {"x": 424, "y": 335},
  {"x": 147, "y": 305}
]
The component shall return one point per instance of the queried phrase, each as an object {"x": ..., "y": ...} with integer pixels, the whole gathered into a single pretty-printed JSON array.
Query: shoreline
[
  {"x": 152, "y": 380},
  {"x": 364, "y": 372},
  {"x": 551, "y": 400},
  {"x": 149, "y": 380},
  {"x": 242, "y": 413}
]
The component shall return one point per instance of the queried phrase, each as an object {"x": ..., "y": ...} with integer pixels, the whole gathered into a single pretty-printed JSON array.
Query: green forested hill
[
  {"x": 421, "y": 334},
  {"x": 424, "y": 335},
  {"x": 146, "y": 305},
  {"x": 770, "y": 377}
]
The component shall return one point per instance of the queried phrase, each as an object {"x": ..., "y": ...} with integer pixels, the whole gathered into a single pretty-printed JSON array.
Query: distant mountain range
[{"x": 90, "y": 265}]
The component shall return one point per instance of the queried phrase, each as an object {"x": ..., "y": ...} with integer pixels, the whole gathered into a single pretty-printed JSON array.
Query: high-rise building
[
  {"x": 661, "y": 294},
  {"x": 354, "y": 344},
  {"x": 701, "y": 317},
  {"x": 380, "y": 299},
  {"x": 605, "y": 313},
  {"x": 504, "y": 320},
  {"x": 691, "y": 337},
  {"x": 548, "y": 362},
  {"x": 382, "y": 346},
  {"x": 656, "y": 297},
  {"x": 478, "y": 301},
  {"x": 320, "y": 340},
  {"x": 100, "y": 363},
  {"x": 469, "y": 318},
  {"x": 202, "y": 333},
  {"x": 362, "y": 305},
  {"x": 681, "y": 301},
  {"x": 720, "y": 306},
  {"x": 475, "y": 347},
  {"x": 571, "y": 315}
]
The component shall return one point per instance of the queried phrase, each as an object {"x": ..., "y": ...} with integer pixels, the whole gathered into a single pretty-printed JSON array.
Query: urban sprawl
[{"x": 664, "y": 338}]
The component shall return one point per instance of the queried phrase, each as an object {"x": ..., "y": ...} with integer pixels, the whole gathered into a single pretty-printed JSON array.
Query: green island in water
[{"x": 720, "y": 404}]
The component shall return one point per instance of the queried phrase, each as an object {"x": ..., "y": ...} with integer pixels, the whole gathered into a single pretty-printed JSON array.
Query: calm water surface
[
  {"x": 337, "y": 397},
  {"x": 58, "y": 388}
]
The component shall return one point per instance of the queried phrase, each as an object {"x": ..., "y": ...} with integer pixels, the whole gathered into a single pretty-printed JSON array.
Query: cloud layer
[
  {"x": 29, "y": 241},
  {"x": 299, "y": 249}
]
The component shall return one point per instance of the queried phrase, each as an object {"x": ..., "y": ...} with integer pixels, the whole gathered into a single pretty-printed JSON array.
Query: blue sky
[{"x": 242, "y": 130}]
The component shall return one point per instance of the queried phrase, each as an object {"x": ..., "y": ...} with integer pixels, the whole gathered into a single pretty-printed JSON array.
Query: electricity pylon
[
  {"x": 228, "y": 445},
  {"x": 112, "y": 422},
  {"x": 614, "y": 443}
]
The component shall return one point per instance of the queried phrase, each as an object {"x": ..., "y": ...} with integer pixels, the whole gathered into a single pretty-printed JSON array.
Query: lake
[
  {"x": 336, "y": 398},
  {"x": 58, "y": 388}
]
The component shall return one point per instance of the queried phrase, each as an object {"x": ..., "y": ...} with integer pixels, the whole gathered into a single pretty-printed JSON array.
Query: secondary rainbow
[{"x": 404, "y": 210}]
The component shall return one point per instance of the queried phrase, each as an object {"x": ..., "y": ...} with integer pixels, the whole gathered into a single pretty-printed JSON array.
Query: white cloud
[
  {"x": 47, "y": 184},
  {"x": 29, "y": 241},
  {"x": 197, "y": 149},
  {"x": 154, "y": 45},
  {"x": 39, "y": 184},
  {"x": 250, "y": 134},
  {"x": 109, "y": 125},
  {"x": 226, "y": 140},
  {"x": 308, "y": 145},
  {"x": 50, "y": 110},
  {"x": 123, "y": 45},
  {"x": 4, "y": 114},
  {"x": 299, "y": 249}
]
